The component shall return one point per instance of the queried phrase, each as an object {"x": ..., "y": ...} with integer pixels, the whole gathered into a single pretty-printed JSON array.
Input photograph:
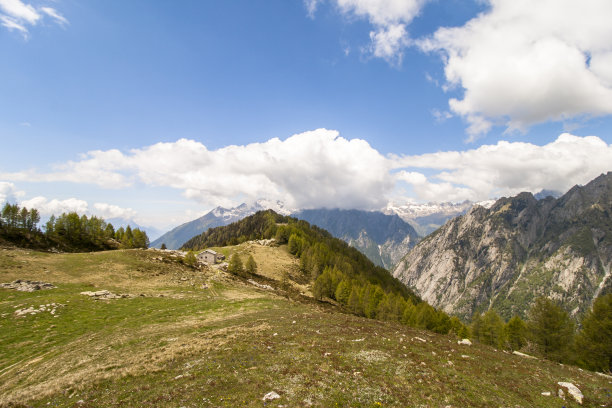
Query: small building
[{"x": 209, "y": 256}]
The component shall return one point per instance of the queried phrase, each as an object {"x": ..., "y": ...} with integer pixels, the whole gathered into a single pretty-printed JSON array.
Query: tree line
[
  {"x": 336, "y": 270},
  {"x": 549, "y": 332},
  {"x": 68, "y": 232}
]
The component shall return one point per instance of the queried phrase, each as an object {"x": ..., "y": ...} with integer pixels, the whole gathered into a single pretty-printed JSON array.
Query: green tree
[
  {"x": 491, "y": 330},
  {"x": 551, "y": 329},
  {"x": 235, "y": 265},
  {"x": 251, "y": 265},
  {"x": 163, "y": 246},
  {"x": 594, "y": 343},
  {"x": 343, "y": 291},
  {"x": 516, "y": 333},
  {"x": 190, "y": 259}
]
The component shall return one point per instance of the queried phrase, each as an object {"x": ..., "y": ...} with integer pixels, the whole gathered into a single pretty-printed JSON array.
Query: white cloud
[
  {"x": 17, "y": 15},
  {"x": 56, "y": 207},
  {"x": 321, "y": 169},
  {"x": 506, "y": 168},
  {"x": 106, "y": 211},
  {"x": 61, "y": 20},
  {"x": 389, "y": 19},
  {"x": 524, "y": 62},
  {"x": 9, "y": 193},
  {"x": 48, "y": 207},
  {"x": 311, "y": 169}
]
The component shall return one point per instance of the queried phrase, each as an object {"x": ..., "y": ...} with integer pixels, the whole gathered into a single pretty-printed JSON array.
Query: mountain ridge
[{"x": 518, "y": 249}]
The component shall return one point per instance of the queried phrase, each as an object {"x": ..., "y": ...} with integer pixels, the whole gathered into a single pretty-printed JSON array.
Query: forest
[{"x": 68, "y": 232}]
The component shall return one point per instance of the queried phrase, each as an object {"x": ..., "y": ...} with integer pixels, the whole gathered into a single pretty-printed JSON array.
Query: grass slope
[{"x": 230, "y": 343}]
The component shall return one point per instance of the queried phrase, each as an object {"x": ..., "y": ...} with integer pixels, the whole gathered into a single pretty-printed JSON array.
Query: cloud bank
[
  {"x": 15, "y": 15},
  {"x": 48, "y": 207},
  {"x": 322, "y": 169}
]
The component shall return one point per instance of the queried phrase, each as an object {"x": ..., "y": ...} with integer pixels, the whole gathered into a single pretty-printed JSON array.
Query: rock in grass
[
  {"x": 271, "y": 396},
  {"x": 572, "y": 390},
  {"x": 518, "y": 353},
  {"x": 467, "y": 342}
]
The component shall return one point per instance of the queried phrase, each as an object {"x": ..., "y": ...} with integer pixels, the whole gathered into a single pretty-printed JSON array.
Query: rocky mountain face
[
  {"x": 520, "y": 248},
  {"x": 384, "y": 239},
  {"x": 218, "y": 217},
  {"x": 426, "y": 218}
]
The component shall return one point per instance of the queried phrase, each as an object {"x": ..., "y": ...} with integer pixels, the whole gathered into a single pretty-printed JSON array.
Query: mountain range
[
  {"x": 217, "y": 217},
  {"x": 384, "y": 239},
  {"x": 520, "y": 248}
]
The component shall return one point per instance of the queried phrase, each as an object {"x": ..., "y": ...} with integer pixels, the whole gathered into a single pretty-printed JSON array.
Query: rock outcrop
[
  {"x": 27, "y": 286},
  {"x": 520, "y": 248}
]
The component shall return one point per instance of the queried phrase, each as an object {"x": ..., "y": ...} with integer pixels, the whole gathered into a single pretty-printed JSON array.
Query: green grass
[{"x": 230, "y": 344}]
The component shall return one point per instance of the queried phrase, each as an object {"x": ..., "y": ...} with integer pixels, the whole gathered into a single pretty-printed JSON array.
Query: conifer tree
[
  {"x": 235, "y": 265},
  {"x": 516, "y": 333},
  {"x": 251, "y": 266},
  {"x": 594, "y": 343},
  {"x": 551, "y": 329},
  {"x": 190, "y": 259}
]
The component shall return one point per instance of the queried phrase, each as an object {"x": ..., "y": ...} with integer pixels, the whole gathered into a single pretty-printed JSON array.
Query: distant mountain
[
  {"x": 521, "y": 248},
  {"x": 218, "y": 217},
  {"x": 426, "y": 218},
  {"x": 384, "y": 239},
  {"x": 547, "y": 193}
]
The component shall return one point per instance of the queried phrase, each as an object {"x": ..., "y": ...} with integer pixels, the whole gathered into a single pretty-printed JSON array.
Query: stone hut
[{"x": 209, "y": 256}]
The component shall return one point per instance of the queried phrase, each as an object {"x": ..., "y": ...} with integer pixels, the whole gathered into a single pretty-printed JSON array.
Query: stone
[
  {"x": 466, "y": 342},
  {"x": 546, "y": 393},
  {"x": 271, "y": 396},
  {"x": 27, "y": 286},
  {"x": 572, "y": 390},
  {"x": 518, "y": 353}
]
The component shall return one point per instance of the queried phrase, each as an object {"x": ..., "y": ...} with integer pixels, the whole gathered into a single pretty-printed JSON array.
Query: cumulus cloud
[
  {"x": 8, "y": 192},
  {"x": 389, "y": 19},
  {"x": 105, "y": 210},
  {"x": 15, "y": 15},
  {"x": 506, "y": 168},
  {"x": 524, "y": 62},
  {"x": 310, "y": 169},
  {"x": 48, "y": 207},
  {"x": 322, "y": 169},
  {"x": 56, "y": 207}
]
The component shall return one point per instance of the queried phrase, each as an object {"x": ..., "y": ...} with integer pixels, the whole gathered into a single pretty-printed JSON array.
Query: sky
[{"x": 158, "y": 111}]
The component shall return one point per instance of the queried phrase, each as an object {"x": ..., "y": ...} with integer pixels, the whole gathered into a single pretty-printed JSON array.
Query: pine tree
[
  {"x": 551, "y": 329},
  {"x": 516, "y": 333},
  {"x": 491, "y": 330},
  {"x": 594, "y": 343},
  {"x": 163, "y": 246},
  {"x": 190, "y": 259},
  {"x": 235, "y": 265},
  {"x": 251, "y": 266}
]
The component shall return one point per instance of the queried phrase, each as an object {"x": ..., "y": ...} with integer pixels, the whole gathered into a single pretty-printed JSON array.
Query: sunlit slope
[{"x": 201, "y": 337}]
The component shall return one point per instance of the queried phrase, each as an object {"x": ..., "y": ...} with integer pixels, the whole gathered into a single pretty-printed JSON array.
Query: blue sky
[{"x": 414, "y": 100}]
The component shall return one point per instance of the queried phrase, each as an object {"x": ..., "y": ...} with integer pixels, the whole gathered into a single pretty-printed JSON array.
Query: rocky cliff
[{"x": 520, "y": 248}]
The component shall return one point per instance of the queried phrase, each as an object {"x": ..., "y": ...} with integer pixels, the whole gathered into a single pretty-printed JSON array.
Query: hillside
[
  {"x": 384, "y": 239},
  {"x": 521, "y": 248},
  {"x": 217, "y": 217},
  {"x": 324, "y": 260},
  {"x": 201, "y": 337}
]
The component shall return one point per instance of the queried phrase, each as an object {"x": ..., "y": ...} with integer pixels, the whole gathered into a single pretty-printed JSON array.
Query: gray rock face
[{"x": 520, "y": 248}]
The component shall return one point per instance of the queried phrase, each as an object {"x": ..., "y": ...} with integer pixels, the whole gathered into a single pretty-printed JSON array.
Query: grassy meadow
[{"x": 197, "y": 337}]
